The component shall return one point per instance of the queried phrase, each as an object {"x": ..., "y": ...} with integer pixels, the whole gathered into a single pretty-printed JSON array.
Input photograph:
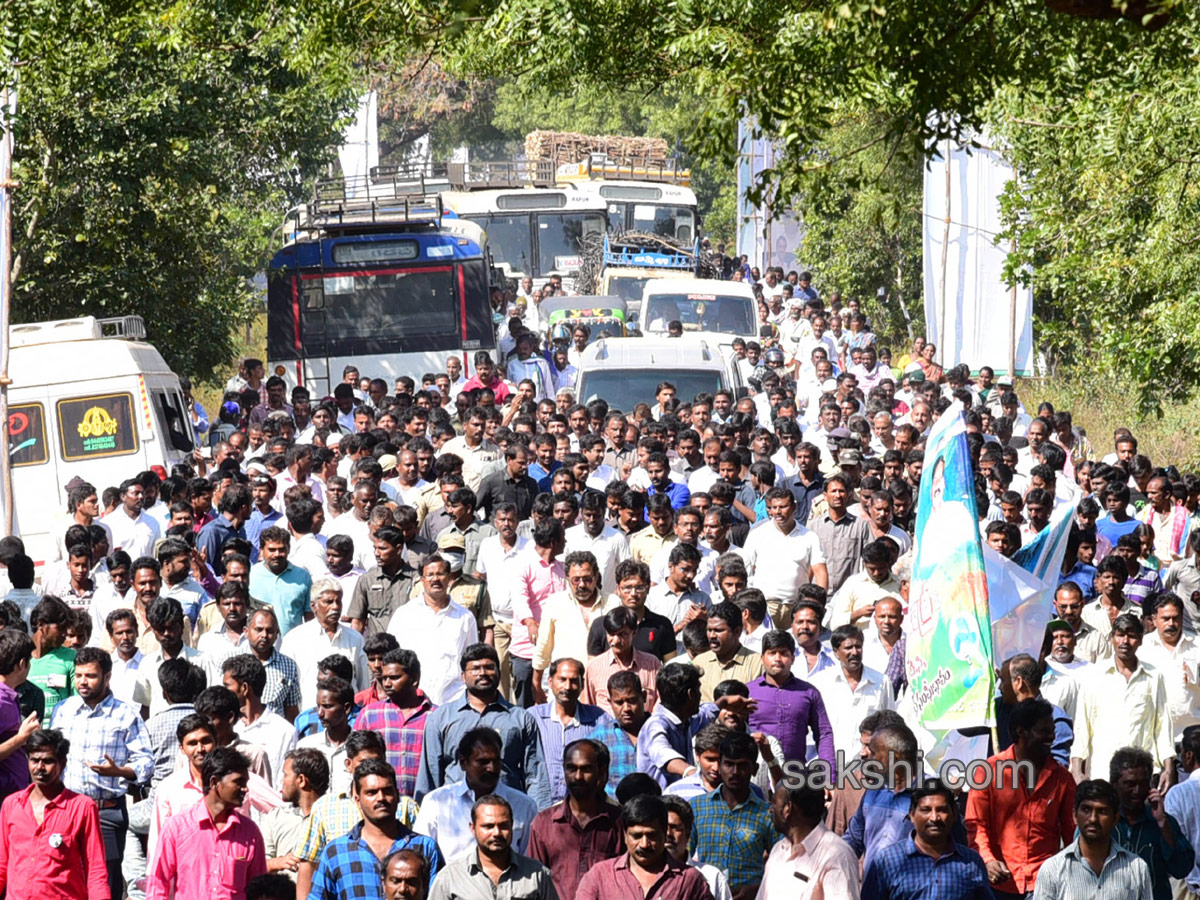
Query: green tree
[
  {"x": 158, "y": 145},
  {"x": 1104, "y": 215},
  {"x": 863, "y": 229}
]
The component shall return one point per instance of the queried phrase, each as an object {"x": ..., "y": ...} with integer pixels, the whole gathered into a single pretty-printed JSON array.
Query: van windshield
[
  {"x": 624, "y": 388},
  {"x": 699, "y": 312}
]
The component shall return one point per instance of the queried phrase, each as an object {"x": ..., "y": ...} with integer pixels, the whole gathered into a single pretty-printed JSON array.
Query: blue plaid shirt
[
  {"x": 737, "y": 840},
  {"x": 556, "y": 736},
  {"x": 111, "y": 729},
  {"x": 349, "y": 870},
  {"x": 902, "y": 872},
  {"x": 163, "y": 741},
  {"x": 622, "y": 751}
]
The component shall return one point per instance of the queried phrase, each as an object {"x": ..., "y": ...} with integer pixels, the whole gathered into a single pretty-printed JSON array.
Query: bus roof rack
[
  {"x": 381, "y": 198},
  {"x": 475, "y": 176},
  {"x": 599, "y": 166},
  {"x": 131, "y": 327}
]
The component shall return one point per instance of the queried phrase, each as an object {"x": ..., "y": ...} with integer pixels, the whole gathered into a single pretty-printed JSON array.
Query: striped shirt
[
  {"x": 1067, "y": 875},
  {"x": 556, "y": 736},
  {"x": 601, "y": 668}
]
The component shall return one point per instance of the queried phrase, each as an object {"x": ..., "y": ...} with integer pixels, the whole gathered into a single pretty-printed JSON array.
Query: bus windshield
[
  {"x": 560, "y": 236},
  {"x": 628, "y": 287},
  {"x": 677, "y": 222},
  {"x": 508, "y": 238},
  {"x": 399, "y": 303},
  {"x": 699, "y": 312}
]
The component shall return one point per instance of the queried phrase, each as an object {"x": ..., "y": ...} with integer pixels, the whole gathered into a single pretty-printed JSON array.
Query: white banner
[
  {"x": 764, "y": 240},
  {"x": 976, "y": 319},
  {"x": 359, "y": 153}
]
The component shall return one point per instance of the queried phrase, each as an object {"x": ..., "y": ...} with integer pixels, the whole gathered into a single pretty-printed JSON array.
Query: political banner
[
  {"x": 949, "y": 649},
  {"x": 1021, "y": 589}
]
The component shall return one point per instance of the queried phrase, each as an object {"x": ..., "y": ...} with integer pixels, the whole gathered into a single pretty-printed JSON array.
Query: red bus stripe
[
  {"x": 462, "y": 301},
  {"x": 296, "y": 315}
]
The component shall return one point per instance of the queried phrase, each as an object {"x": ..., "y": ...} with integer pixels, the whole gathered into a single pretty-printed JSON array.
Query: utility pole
[{"x": 8, "y": 109}]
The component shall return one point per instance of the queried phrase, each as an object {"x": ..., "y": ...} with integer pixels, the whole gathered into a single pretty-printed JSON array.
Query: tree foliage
[
  {"x": 863, "y": 229},
  {"x": 158, "y": 145},
  {"x": 1106, "y": 210},
  {"x": 797, "y": 67}
]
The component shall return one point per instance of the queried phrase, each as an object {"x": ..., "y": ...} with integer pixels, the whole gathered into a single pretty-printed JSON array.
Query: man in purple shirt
[
  {"x": 788, "y": 708},
  {"x": 16, "y": 648}
]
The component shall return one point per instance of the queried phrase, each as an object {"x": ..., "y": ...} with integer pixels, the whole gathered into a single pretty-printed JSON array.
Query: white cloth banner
[
  {"x": 972, "y": 323},
  {"x": 359, "y": 153}
]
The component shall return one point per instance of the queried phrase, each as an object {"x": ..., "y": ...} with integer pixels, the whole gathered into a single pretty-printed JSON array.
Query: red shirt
[
  {"x": 568, "y": 851},
  {"x": 1020, "y": 828},
  {"x": 498, "y": 387},
  {"x": 612, "y": 880},
  {"x": 368, "y": 696},
  {"x": 61, "y": 859}
]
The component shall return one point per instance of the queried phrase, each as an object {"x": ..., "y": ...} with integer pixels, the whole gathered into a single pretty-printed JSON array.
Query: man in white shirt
[
  {"x": 127, "y": 659},
  {"x": 495, "y": 564},
  {"x": 783, "y": 555},
  {"x": 306, "y": 552},
  {"x": 321, "y": 636},
  {"x": 229, "y": 638},
  {"x": 247, "y": 678},
  {"x": 408, "y": 482},
  {"x": 445, "y": 812},
  {"x": 609, "y": 546},
  {"x": 132, "y": 530},
  {"x": 851, "y": 691},
  {"x": 1123, "y": 704},
  {"x": 438, "y": 630},
  {"x": 355, "y": 524},
  {"x": 1177, "y": 657}
]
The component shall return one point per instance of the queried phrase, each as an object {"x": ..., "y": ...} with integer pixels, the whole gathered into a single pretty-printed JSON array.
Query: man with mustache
[{"x": 48, "y": 807}]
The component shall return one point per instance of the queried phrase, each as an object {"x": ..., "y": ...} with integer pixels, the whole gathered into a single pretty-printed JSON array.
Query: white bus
[
  {"x": 650, "y": 198},
  {"x": 532, "y": 231},
  {"x": 89, "y": 397}
]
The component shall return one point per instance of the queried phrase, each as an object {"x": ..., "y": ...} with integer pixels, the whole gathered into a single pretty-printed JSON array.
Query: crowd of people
[{"x": 468, "y": 637}]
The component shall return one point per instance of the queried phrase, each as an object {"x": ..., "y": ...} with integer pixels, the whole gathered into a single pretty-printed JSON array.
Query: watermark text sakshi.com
[{"x": 854, "y": 772}]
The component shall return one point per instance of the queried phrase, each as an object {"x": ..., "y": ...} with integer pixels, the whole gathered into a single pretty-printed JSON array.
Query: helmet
[{"x": 773, "y": 357}]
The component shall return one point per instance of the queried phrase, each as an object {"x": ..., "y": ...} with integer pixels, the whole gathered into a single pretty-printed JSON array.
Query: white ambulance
[{"x": 90, "y": 398}]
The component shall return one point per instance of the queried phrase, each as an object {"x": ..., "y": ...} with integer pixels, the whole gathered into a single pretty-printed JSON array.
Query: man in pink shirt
[
  {"x": 486, "y": 376},
  {"x": 537, "y": 575},
  {"x": 210, "y": 851}
]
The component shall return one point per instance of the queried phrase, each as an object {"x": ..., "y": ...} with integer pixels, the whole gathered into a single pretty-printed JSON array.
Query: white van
[
  {"x": 627, "y": 371},
  {"x": 701, "y": 305},
  {"x": 88, "y": 398}
]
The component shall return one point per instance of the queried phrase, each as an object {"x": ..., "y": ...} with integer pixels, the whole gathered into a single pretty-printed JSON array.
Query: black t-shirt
[{"x": 655, "y": 635}]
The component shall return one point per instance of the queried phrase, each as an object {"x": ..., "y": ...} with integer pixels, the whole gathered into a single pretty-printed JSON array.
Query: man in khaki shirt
[
  {"x": 727, "y": 658},
  {"x": 648, "y": 542}
]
